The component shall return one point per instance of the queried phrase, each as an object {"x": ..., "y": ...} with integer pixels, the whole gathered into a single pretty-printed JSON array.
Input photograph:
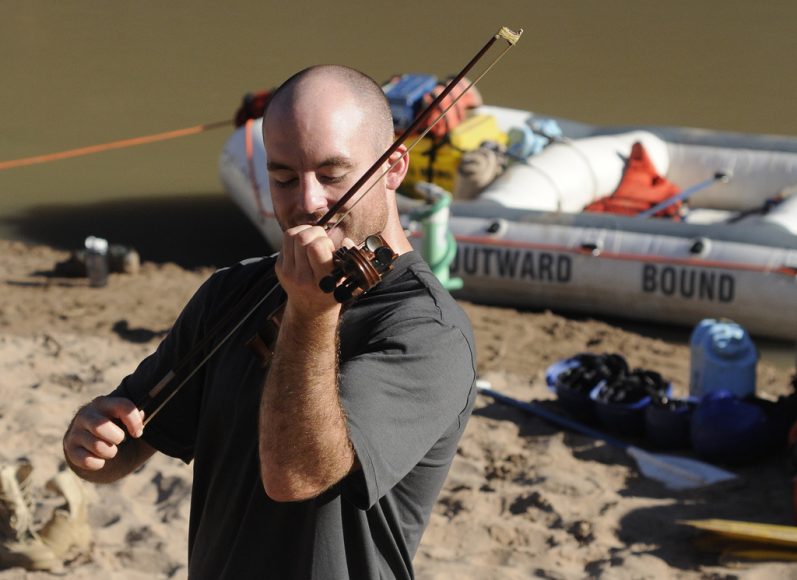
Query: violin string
[{"x": 418, "y": 139}]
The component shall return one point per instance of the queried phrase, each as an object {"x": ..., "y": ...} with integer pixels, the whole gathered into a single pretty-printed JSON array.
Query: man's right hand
[{"x": 93, "y": 439}]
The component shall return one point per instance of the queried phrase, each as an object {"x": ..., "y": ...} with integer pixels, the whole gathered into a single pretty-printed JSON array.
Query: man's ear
[{"x": 396, "y": 175}]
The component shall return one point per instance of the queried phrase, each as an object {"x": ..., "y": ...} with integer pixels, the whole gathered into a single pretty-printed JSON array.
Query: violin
[{"x": 355, "y": 270}]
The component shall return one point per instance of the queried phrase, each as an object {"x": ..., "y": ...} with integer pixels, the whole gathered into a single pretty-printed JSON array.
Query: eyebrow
[{"x": 330, "y": 162}]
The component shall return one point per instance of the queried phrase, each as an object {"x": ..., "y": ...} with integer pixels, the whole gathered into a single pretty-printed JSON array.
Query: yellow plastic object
[
  {"x": 731, "y": 551},
  {"x": 748, "y": 531},
  {"x": 437, "y": 161}
]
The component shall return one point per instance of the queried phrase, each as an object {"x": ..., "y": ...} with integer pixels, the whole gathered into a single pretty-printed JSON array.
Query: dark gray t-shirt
[{"x": 407, "y": 369}]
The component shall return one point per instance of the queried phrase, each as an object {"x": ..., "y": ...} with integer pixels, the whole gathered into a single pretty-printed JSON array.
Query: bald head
[
  {"x": 323, "y": 129},
  {"x": 325, "y": 83}
]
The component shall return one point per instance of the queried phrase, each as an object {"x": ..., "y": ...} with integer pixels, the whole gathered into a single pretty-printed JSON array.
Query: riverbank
[{"x": 523, "y": 498}]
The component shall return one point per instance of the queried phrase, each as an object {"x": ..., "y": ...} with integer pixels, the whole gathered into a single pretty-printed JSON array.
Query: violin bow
[
  {"x": 169, "y": 385},
  {"x": 511, "y": 37}
]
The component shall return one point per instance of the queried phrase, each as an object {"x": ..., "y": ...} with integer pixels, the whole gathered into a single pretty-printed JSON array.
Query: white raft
[{"x": 524, "y": 242}]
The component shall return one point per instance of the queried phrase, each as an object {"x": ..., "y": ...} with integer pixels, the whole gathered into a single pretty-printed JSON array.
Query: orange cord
[{"x": 121, "y": 144}]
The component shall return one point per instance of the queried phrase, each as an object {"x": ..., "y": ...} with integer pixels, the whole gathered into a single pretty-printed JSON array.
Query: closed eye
[
  {"x": 283, "y": 184},
  {"x": 332, "y": 179}
]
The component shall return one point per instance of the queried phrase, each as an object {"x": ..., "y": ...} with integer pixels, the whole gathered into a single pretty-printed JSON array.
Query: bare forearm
[{"x": 304, "y": 441}]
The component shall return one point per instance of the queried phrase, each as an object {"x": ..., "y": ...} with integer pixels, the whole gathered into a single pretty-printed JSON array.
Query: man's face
[{"x": 316, "y": 150}]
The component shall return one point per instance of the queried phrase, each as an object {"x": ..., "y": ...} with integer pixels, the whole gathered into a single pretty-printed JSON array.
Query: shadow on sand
[{"x": 192, "y": 231}]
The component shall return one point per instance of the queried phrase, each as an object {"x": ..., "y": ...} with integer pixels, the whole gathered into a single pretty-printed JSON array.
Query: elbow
[
  {"x": 283, "y": 489},
  {"x": 284, "y": 483}
]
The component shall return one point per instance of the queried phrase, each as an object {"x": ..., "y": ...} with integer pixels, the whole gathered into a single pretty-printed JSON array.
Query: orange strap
[{"x": 79, "y": 152}]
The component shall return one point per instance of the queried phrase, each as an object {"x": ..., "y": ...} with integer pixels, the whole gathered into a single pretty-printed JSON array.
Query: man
[{"x": 326, "y": 464}]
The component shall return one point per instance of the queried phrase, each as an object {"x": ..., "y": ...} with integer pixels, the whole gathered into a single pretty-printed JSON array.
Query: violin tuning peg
[
  {"x": 329, "y": 283},
  {"x": 343, "y": 293},
  {"x": 385, "y": 256}
]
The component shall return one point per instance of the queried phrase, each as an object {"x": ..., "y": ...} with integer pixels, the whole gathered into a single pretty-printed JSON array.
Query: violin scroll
[{"x": 357, "y": 270}]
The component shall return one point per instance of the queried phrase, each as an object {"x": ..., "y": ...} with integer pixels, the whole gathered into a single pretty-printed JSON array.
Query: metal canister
[{"x": 97, "y": 261}]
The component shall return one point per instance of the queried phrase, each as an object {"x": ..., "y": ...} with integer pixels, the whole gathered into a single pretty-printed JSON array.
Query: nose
[{"x": 312, "y": 195}]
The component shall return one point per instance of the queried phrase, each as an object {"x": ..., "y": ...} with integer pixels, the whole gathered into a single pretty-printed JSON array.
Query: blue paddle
[
  {"x": 722, "y": 176},
  {"x": 673, "y": 472}
]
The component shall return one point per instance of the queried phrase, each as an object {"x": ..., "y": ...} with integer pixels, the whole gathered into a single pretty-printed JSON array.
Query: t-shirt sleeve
[
  {"x": 173, "y": 430},
  {"x": 411, "y": 385}
]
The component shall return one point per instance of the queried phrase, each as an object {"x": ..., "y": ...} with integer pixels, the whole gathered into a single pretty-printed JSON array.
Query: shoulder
[
  {"x": 410, "y": 300},
  {"x": 243, "y": 274},
  {"x": 415, "y": 284},
  {"x": 232, "y": 282}
]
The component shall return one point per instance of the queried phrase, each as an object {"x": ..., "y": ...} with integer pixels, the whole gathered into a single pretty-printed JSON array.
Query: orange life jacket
[
  {"x": 456, "y": 114},
  {"x": 640, "y": 189}
]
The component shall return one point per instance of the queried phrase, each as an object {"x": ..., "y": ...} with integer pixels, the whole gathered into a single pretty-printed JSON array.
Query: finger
[
  {"x": 122, "y": 409},
  {"x": 349, "y": 243},
  {"x": 285, "y": 260},
  {"x": 121, "y": 415},
  {"x": 309, "y": 252},
  {"x": 99, "y": 426},
  {"x": 319, "y": 257},
  {"x": 307, "y": 234},
  {"x": 291, "y": 242},
  {"x": 83, "y": 459},
  {"x": 86, "y": 442},
  {"x": 84, "y": 450}
]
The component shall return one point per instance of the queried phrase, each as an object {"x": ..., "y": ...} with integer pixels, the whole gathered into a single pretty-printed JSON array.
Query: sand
[{"x": 523, "y": 498}]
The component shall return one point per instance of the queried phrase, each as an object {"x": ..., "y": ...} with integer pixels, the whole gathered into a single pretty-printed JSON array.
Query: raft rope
[{"x": 120, "y": 144}]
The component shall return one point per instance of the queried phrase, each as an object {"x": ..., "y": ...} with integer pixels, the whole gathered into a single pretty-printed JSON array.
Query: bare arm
[
  {"x": 93, "y": 443},
  {"x": 304, "y": 440}
]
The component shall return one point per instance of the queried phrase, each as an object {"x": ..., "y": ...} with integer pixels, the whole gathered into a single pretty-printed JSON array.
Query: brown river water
[{"x": 77, "y": 73}]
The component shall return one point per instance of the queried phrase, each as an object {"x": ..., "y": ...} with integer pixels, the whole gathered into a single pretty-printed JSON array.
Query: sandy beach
[{"x": 523, "y": 498}]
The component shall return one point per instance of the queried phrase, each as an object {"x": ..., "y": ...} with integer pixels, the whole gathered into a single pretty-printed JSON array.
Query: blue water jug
[
  {"x": 723, "y": 357},
  {"x": 727, "y": 429}
]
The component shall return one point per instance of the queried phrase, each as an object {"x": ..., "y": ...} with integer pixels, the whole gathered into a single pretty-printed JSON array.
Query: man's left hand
[{"x": 306, "y": 257}]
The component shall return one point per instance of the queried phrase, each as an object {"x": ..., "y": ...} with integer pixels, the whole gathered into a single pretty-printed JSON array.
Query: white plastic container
[
  {"x": 97, "y": 261},
  {"x": 722, "y": 357}
]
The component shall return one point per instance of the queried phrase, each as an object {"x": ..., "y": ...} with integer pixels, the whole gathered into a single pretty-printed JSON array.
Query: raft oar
[
  {"x": 673, "y": 472},
  {"x": 722, "y": 176}
]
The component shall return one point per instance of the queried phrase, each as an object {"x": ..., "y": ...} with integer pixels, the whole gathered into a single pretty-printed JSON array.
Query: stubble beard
[{"x": 365, "y": 221}]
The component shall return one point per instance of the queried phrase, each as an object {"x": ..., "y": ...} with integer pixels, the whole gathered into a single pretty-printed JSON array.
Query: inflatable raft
[{"x": 524, "y": 239}]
